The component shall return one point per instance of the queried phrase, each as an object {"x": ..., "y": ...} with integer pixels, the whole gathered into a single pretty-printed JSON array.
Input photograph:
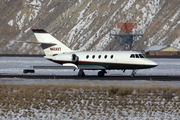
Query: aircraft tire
[
  {"x": 101, "y": 74},
  {"x": 132, "y": 75},
  {"x": 81, "y": 73}
]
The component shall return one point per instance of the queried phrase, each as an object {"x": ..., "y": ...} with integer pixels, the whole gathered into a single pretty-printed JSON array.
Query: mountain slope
[{"x": 86, "y": 24}]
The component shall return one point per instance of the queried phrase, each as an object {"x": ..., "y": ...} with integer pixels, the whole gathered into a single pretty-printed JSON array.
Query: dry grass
[{"x": 100, "y": 100}]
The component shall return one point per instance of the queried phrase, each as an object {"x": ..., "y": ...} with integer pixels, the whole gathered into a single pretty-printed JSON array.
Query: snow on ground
[
  {"x": 150, "y": 107},
  {"x": 11, "y": 22}
]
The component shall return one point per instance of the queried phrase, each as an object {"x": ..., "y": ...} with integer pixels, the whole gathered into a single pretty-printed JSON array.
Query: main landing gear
[
  {"x": 134, "y": 73},
  {"x": 81, "y": 73},
  {"x": 101, "y": 73}
]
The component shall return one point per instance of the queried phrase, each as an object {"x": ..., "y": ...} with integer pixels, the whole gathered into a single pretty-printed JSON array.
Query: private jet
[{"x": 57, "y": 52}]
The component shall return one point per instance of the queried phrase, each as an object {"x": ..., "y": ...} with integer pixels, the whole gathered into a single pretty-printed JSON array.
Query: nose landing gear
[{"x": 134, "y": 73}]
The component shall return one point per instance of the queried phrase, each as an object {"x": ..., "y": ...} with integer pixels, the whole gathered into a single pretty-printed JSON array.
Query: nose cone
[{"x": 151, "y": 63}]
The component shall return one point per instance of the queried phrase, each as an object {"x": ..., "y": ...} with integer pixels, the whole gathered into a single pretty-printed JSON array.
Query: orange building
[{"x": 161, "y": 50}]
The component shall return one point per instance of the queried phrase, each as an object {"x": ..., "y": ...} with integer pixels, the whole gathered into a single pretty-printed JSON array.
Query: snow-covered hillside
[{"x": 86, "y": 24}]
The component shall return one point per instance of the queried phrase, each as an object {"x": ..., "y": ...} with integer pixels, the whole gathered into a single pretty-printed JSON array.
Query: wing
[
  {"x": 91, "y": 67},
  {"x": 83, "y": 67}
]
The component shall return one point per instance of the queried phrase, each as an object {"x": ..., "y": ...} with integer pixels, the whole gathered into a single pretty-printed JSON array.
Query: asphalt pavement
[{"x": 118, "y": 78}]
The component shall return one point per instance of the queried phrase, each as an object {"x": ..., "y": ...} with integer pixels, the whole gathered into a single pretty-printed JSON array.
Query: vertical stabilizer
[{"x": 49, "y": 44}]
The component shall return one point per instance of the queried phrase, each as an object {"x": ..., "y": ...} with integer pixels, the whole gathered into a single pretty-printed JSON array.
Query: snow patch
[
  {"x": 149, "y": 11},
  {"x": 35, "y": 7},
  {"x": 166, "y": 27},
  {"x": 11, "y": 22},
  {"x": 128, "y": 5},
  {"x": 161, "y": 42},
  {"x": 81, "y": 14},
  {"x": 20, "y": 23},
  {"x": 112, "y": 2},
  {"x": 154, "y": 6},
  {"x": 9, "y": 46},
  {"x": 27, "y": 30},
  {"x": 176, "y": 43},
  {"x": 35, "y": 3},
  {"x": 105, "y": 40},
  {"x": 123, "y": 4},
  {"x": 18, "y": 15},
  {"x": 158, "y": 37},
  {"x": 52, "y": 10},
  {"x": 49, "y": 3},
  {"x": 137, "y": 7},
  {"x": 81, "y": 27},
  {"x": 175, "y": 16}
]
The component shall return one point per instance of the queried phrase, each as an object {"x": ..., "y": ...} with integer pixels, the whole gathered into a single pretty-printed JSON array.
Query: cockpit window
[
  {"x": 141, "y": 56},
  {"x": 144, "y": 56},
  {"x": 137, "y": 56},
  {"x": 132, "y": 56}
]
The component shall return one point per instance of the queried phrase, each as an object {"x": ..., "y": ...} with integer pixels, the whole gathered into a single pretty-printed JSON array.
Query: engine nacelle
[{"x": 66, "y": 57}]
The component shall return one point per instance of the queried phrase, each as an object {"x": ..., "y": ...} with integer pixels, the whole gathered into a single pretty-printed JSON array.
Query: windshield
[{"x": 138, "y": 56}]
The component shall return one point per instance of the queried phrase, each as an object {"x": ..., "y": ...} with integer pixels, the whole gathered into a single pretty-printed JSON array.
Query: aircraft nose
[{"x": 153, "y": 64}]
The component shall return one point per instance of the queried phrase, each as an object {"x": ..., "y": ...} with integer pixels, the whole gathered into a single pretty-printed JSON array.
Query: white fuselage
[{"x": 107, "y": 59}]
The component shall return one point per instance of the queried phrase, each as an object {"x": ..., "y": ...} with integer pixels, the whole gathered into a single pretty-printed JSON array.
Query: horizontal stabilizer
[{"x": 37, "y": 42}]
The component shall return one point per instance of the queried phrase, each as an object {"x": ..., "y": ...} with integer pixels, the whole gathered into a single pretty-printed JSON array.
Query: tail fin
[{"x": 49, "y": 44}]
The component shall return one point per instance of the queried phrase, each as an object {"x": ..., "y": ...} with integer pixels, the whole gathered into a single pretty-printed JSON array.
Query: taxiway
[{"x": 93, "y": 77}]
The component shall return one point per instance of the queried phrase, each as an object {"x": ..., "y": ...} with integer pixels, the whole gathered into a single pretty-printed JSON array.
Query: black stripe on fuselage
[{"x": 109, "y": 65}]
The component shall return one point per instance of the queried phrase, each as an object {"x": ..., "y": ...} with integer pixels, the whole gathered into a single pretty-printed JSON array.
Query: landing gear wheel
[
  {"x": 101, "y": 74},
  {"x": 133, "y": 73},
  {"x": 81, "y": 73}
]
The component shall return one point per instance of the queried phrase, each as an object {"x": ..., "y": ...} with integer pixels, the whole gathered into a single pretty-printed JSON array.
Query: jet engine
[{"x": 75, "y": 58}]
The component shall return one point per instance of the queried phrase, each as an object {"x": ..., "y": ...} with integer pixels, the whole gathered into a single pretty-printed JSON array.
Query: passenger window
[
  {"x": 105, "y": 56},
  {"x": 99, "y": 56},
  {"x": 132, "y": 56},
  {"x": 112, "y": 56},
  {"x": 141, "y": 56},
  {"x": 87, "y": 56},
  {"x": 93, "y": 56},
  {"x": 137, "y": 56}
]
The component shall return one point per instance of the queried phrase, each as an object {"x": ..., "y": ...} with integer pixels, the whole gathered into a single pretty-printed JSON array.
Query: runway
[
  {"x": 11, "y": 72},
  {"x": 93, "y": 77}
]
